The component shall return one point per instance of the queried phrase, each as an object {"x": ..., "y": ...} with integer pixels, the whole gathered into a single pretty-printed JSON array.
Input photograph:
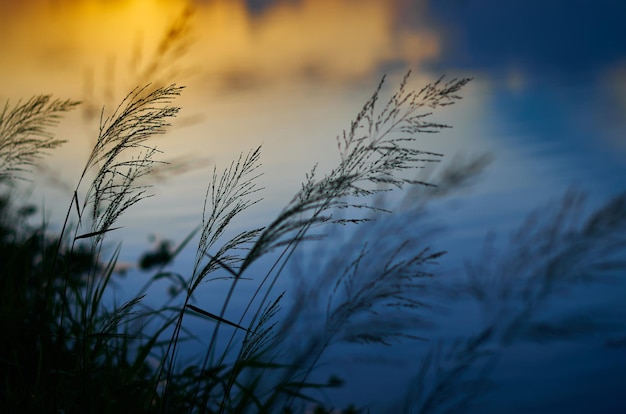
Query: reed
[{"x": 68, "y": 350}]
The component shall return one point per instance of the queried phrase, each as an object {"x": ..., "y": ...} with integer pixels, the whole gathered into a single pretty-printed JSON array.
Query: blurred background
[{"x": 547, "y": 103}]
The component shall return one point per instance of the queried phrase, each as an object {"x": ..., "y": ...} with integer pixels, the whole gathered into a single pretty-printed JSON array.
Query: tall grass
[
  {"x": 25, "y": 135},
  {"x": 68, "y": 350},
  {"x": 558, "y": 248}
]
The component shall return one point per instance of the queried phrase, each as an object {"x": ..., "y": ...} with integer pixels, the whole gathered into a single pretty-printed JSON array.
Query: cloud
[
  {"x": 235, "y": 46},
  {"x": 311, "y": 38}
]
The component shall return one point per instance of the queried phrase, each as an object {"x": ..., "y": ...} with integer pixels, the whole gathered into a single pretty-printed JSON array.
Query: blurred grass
[{"x": 65, "y": 349}]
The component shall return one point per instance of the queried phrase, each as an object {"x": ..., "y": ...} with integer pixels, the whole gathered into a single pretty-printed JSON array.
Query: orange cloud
[
  {"x": 325, "y": 38},
  {"x": 56, "y": 42}
]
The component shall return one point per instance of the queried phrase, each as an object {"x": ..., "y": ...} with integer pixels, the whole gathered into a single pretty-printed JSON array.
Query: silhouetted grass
[
  {"x": 558, "y": 247},
  {"x": 24, "y": 134},
  {"x": 67, "y": 350}
]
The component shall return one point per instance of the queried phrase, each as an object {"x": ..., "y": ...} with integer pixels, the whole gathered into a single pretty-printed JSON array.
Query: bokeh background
[{"x": 547, "y": 103}]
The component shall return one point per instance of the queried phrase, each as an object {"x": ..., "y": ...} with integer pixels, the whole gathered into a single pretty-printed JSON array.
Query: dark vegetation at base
[
  {"x": 64, "y": 350},
  {"x": 40, "y": 362}
]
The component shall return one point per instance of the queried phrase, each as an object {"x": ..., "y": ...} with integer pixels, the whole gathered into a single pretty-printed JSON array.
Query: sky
[{"x": 547, "y": 101}]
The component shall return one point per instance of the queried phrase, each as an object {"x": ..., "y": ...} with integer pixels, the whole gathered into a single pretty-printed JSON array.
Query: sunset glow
[
  {"x": 371, "y": 205},
  {"x": 76, "y": 44}
]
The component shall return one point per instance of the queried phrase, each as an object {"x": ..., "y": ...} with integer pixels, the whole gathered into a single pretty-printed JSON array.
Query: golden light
[
  {"x": 58, "y": 42},
  {"x": 97, "y": 51}
]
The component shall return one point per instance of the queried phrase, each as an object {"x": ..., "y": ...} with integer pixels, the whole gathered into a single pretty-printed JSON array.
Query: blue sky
[
  {"x": 571, "y": 37},
  {"x": 548, "y": 100}
]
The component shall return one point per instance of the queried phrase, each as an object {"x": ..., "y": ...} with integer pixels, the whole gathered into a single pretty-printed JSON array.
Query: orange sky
[
  {"x": 95, "y": 46},
  {"x": 253, "y": 77}
]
